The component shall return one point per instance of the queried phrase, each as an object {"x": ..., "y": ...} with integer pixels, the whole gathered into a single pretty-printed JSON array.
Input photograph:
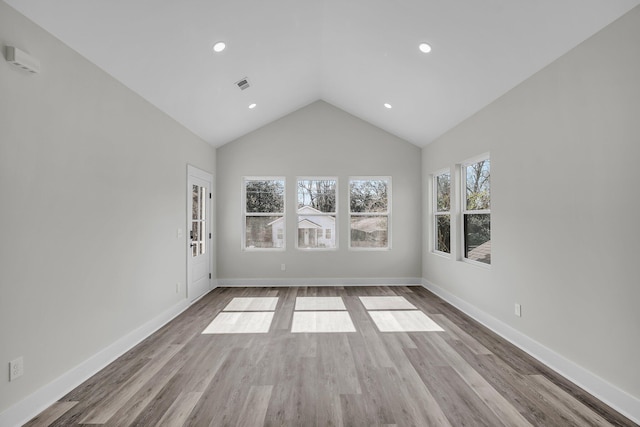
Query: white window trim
[
  {"x": 334, "y": 214},
  {"x": 243, "y": 201},
  {"x": 463, "y": 208},
  {"x": 435, "y": 213},
  {"x": 387, "y": 214}
]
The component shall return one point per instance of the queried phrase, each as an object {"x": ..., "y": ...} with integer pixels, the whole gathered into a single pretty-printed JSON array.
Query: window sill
[
  {"x": 476, "y": 263},
  {"x": 317, "y": 249},
  {"x": 264, "y": 249},
  {"x": 370, "y": 249},
  {"x": 444, "y": 255}
]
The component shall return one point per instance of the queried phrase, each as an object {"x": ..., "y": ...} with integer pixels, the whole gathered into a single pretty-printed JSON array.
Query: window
[
  {"x": 442, "y": 212},
  {"x": 370, "y": 212},
  {"x": 476, "y": 211},
  {"x": 317, "y": 200},
  {"x": 264, "y": 224}
]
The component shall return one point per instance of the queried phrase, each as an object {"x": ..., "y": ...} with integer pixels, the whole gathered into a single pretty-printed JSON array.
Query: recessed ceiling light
[
  {"x": 387, "y": 105},
  {"x": 252, "y": 106},
  {"x": 424, "y": 47},
  {"x": 219, "y": 47}
]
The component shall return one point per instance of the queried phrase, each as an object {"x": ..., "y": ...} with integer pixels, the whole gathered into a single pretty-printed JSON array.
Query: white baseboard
[
  {"x": 331, "y": 281},
  {"x": 32, "y": 405},
  {"x": 621, "y": 401}
]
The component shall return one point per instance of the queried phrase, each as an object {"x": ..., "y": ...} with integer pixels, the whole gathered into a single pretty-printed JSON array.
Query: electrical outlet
[
  {"x": 518, "y": 310},
  {"x": 283, "y": 267},
  {"x": 16, "y": 368},
  {"x": 177, "y": 287}
]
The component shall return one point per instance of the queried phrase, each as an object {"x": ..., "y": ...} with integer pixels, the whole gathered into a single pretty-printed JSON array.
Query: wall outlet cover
[{"x": 16, "y": 368}]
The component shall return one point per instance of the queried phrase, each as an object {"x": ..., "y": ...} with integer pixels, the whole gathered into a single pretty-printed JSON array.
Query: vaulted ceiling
[{"x": 355, "y": 54}]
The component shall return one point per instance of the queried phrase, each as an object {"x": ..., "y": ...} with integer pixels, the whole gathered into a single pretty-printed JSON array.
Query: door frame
[{"x": 193, "y": 171}]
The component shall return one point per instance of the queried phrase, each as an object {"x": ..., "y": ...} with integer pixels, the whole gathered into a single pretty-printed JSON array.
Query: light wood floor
[{"x": 464, "y": 376}]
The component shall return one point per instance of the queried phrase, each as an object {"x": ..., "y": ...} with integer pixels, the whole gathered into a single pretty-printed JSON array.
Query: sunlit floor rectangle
[
  {"x": 319, "y": 303},
  {"x": 322, "y": 321},
  {"x": 240, "y": 323},
  {"x": 252, "y": 304},
  {"x": 386, "y": 303},
  {"x": 404, "y": 321}
]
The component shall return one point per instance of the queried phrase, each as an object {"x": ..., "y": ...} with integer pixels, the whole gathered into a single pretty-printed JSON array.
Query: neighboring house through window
[
  {"x": 317, "y": 208},
  {"x": 369, "y": 212}
]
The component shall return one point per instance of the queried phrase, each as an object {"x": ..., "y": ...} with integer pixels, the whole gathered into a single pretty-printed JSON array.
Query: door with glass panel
[{"x": 199, "y": 236}]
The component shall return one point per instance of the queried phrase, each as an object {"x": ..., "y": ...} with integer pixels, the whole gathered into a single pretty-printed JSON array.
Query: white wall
[
  {"x": 319, "y": 140},
  {"x": 564, "y": 146},
  {"x": 92, "y": 191}
]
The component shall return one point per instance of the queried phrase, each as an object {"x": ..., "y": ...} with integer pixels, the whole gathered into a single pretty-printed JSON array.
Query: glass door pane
[{"x": 198, "y": 223}]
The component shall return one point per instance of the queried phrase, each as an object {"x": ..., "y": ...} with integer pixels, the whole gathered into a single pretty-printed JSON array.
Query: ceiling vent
[{"x": 243, "y": 84}]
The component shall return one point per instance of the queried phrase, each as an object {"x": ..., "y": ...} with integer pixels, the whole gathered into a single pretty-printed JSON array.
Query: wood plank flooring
[{"x": 463, "y": 376}]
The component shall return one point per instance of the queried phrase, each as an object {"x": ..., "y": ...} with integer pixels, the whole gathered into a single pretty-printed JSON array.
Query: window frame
[
  {"x": 436, "y": 213},
  {"x": 387, "y": 214},
  {"x": 245, "y": 214},
  {"x": 464, "y": 211},
  {"x": 333, "y": 214}
]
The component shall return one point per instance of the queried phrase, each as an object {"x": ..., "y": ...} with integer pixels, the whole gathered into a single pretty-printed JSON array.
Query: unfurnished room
[{"x": 319, "y": 213}]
